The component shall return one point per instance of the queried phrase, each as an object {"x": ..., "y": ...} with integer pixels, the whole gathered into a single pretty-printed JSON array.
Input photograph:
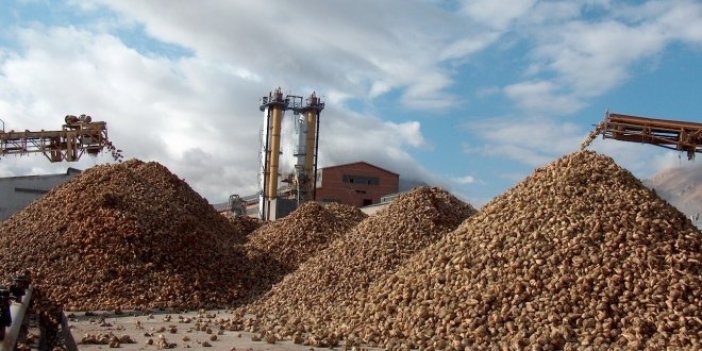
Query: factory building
[
  {"x": 358, "y": 184},
  {"x": 18, "y": 192}
]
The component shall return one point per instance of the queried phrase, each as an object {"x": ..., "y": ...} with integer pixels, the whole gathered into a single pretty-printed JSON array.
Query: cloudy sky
[{"x": 470, "y": 95}]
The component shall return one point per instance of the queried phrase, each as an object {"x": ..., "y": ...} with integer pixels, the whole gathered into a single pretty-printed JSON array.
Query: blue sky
[{"x": 467, "y": 95}]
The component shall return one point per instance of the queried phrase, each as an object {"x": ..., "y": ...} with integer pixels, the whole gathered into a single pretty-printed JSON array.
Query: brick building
[{"x": 358, "y": 184}]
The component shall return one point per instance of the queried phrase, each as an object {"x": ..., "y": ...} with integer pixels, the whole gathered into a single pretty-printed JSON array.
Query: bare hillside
[{"x": 682, "y": 187}]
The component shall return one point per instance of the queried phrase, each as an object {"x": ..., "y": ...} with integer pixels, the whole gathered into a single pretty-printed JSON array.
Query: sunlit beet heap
[
  {"x": 305, "y": 299},
  {"x": 580, "y": 255},
  {"x": 307, "y": 230},
  {"x": 279, "y": 247}
]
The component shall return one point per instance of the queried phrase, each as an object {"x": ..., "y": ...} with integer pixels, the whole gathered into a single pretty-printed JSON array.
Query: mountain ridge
[{"x": 682, "y": 187}]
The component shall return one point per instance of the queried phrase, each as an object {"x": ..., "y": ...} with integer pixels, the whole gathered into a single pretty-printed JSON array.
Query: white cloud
[
  {"x": 542, "y": 96},
  {"x": 552, "y": 12},
  {"x": 496, "y": 14},
  {"x": 574, "y": 58},
  {"x": 464, "y": 180},
  {"x": 361, "y": 48},
  {"x": 592, "y": 58},
  {"x": 683, "y": 22},
  {"x": 589, "y": 57},
  {"x": 428, "y": 94},
  {"x": 470, "y": 45},
  {"x": 533, "y": 141},
  {"x": 199, "y": 112},
  {"x": 198, "y": 117}
]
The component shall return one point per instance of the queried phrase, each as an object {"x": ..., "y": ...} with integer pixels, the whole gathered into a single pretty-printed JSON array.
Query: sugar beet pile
[
  {"x": 578, "y": 255},
  {"x": 372, "y": 249},
  {"x": 310, "y": 228},
  {"x": 126, "y": 235},
  {"x": 243, "y": 224},
  {"x": 279, "y": 247}
]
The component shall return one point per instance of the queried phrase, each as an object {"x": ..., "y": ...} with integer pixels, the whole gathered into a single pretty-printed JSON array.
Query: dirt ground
[{"x": 178, "y": 330}]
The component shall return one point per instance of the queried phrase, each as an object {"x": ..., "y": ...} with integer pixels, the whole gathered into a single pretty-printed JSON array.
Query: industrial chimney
[{"x": 274, "y": 107}]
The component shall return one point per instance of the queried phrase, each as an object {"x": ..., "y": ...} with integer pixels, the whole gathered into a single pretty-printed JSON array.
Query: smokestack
[
  {"x": 311, "y": 112},
  {"x": 275, "y": 107},
  {"x": 276, "y": 119}
]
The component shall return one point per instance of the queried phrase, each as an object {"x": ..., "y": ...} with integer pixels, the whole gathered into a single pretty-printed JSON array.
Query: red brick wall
[{"x": 334, "y": 188}]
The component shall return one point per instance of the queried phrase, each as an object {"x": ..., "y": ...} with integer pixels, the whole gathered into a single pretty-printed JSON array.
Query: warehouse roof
[
  {"x": 361, "y": 162},
  {"x": 69, "y": 171}
]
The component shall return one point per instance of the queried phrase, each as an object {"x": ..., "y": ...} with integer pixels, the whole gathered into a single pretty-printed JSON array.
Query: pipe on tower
[
  {"x": 312, "y": 110},
  {"x": 311, "y": 120},
  {"x": 316, "y": 154},
  {"x": 274, "y": 107},
  {"x": 265, "y": 139},
  {"x": 274, "y": 157}
]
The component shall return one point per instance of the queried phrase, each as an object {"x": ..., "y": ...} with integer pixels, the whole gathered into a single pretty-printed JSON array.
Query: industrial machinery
[
  {"x": 274, "y": 107},
  {"x": 78, "y": 136},
  {"x": 14, "y": 305},
  {"x": 237, "y": 205},
  {"x": 675, "y": 135}
]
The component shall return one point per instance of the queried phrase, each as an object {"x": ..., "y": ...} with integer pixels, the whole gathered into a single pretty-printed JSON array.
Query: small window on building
[{"x": 357, "y": 179}]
